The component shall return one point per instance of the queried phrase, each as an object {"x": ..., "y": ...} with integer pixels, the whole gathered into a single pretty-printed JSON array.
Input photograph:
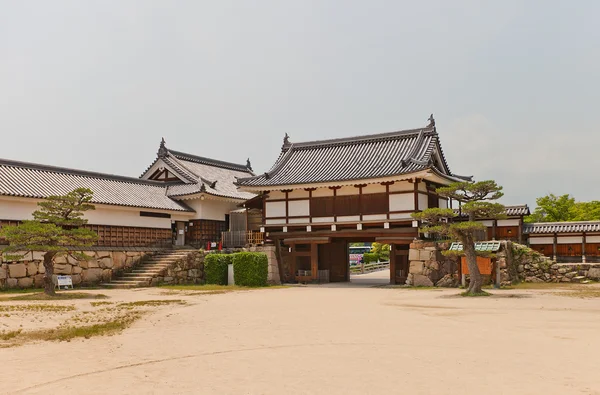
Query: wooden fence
[
  {"x": 369, "y": 267},
  {"x": 241, "y": 238}
]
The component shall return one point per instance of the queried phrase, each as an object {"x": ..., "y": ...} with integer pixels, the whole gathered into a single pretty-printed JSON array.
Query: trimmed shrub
[
  {"x": 250, "y": 269},
  {"x": 215, "y": 268},
  {"x": 369, "y": 257}
]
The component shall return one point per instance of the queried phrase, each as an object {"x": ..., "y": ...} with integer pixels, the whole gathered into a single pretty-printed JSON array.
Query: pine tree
[
  {"x": 476, "y": 198},
  {"x": 55, "y": 230}
]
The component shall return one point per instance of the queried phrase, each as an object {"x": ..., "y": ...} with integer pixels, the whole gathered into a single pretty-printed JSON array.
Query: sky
[{"x": 514, "y": 85}]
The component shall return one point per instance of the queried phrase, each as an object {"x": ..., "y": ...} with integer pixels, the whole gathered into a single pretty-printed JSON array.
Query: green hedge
[
  {"x": 250, "y": 269},
  {"x": 215, "y": 268},
  {"x": 369, "y": 257}
]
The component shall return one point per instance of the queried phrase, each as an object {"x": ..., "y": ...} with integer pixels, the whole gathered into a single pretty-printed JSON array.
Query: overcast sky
[{"x": 514, "y": 85}]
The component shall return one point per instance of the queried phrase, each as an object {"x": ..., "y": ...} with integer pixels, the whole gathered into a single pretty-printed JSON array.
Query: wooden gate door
[
  {"x": 399, "y": 263},
  {"x": 334, "y": 257}
]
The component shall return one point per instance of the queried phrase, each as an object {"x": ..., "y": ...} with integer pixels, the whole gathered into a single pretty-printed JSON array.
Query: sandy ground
[{"x": 333, "y": 339}]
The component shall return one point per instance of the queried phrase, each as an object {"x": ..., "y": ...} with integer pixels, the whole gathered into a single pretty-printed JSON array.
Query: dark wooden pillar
[
  {"x": 392, "y": 264},
  {"x": 314, "y": 261},
  {"x": 520, "y": 235},
  {"x": 554, "y": 243},
  {"x": 416, "y": 192},
  {"x": 293, "y": 263},
  {"x": 583, "y": 248},
  {"x": 495, "y": 227}
]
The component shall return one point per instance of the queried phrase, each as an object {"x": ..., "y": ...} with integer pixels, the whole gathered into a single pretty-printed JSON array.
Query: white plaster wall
[
  {"x": 489, "y": 223},
  {"x": 298, "y": 193},
  {"x": 320, "y": 192},
  {"x": 348, "y": 218},
  {"x": 592, "y": 239},
  {"x": 422, "y": 187},
  {"x": 402, "y": 201},
  {"x": 322, "y": 219},
  {"x": 374, "y": 188},
  {"x": 276, "y": 195},
  {"x": 274, "y": 221},
  {"x": 13, "y": 209},
  {"x": 297, "y": 208},
  {"x": 304, "y": 220},
  {"x": 347, "y": 190},
  {"x": 569, "y": 239},
  {"x": 422, "y": 201},
  {"x": 508, "y": 222},
  {"x": 400, "y": 216},
  {"x": 274, "y": 209},
  {"x": 210, "y": 209},
  {"x": 373, "y": 217},
  {"x": 443, "y": 203},
  {"x": 402, "y": 186},
  {"x": 541, "y": 240}
]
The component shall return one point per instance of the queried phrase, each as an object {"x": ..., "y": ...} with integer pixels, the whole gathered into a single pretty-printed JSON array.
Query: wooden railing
[
  {"x": 369, "y": 267},
  {"x": 241, "y": 238}
]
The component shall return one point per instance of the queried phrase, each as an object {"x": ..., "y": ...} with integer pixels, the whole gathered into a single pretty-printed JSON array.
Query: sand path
[{"x": 348, "y": 339}]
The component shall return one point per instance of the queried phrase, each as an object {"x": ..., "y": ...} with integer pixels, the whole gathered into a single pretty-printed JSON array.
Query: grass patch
[
  {"x": 8, "y": 335},
  {"x": 207, "y": 287},
  {"x": 583, "y": 293},
  {"x": 96, "y": 304},
  {"x": 150, "y": 303},
  {"x": 59, "y": 296},
  {"x": 475, "y": 294},
  {"x": 20, "y": 291},
  {"x": 36, "y": 308}
]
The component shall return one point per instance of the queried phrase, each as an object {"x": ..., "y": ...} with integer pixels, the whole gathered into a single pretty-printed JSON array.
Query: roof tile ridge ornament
[
  {"x": 286, "y": 142},
  {"x": 248, "y": 165},
  {"x": 162, "y": 149},
  {"x": 411, "y": 156},
  {"x": 431, "y": 120}
]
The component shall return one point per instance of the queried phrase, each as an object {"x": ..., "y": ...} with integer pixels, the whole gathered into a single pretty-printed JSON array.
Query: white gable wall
[{"x": 211, "y": 208}]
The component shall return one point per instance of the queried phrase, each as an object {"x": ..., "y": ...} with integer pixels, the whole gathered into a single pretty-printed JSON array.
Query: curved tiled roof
[
  {"x": 355, "y": 158},
  {"x": 32, "y": 180},
  {"x": 202, "y": 175},
  {"x": 561, "y": 227},
  {"x": 510, "y": 211}
]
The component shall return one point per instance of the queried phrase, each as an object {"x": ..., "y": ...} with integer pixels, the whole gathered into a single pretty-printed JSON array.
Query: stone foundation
[
  {"x": 187, "y": 270},
  {"x": 28, "y": 271},
  {"x": 428, "y": 267},
  {"x": 273, "y": 276}
]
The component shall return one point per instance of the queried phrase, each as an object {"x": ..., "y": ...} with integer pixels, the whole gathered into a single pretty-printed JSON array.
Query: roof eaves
[{"x": 208, "y": 161}]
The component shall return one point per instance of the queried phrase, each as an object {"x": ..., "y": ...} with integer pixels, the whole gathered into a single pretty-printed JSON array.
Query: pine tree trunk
[
  {"x": 49, "y": 272},
  {"x": 475, "y": 281}
]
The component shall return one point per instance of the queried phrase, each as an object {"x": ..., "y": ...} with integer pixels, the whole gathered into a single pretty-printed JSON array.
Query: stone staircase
[{"x": 143, "y": 273}]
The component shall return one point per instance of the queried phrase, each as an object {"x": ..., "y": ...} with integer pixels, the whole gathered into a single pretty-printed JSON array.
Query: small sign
[
  {"x": 213, "y": 244},
  {"x": 64, "y": 281},
  {"x": 180, "y": 231}
]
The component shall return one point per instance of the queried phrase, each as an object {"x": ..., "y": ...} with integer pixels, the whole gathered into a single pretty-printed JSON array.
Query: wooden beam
[
  {"x": 314, "y": 261},
  {"x": 392, "y": 263}
]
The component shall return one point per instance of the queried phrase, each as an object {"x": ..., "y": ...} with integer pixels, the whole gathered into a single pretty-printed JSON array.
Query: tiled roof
[
  {"x": 40, "y": 181},
  {"x": 355, "y": 158},
  {"x": 203, "y": 175},
  {"x": 561, "y": 227},
  {"x": 510, "y": 211}
]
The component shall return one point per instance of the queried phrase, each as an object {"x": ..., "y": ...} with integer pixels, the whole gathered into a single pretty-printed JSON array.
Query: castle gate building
[{"x": 321, "y": 195}]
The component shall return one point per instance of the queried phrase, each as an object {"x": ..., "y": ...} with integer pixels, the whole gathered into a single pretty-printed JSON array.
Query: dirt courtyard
[{"x": 333, "y": 339}]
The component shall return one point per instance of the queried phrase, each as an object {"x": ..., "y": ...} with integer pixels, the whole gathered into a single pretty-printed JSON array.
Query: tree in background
[
  {"x": 54, "y": 230},
  {"x": 382, "y": 251},
  {"x": 552, "y": 208},
  {"x": 477, "y": 202}
]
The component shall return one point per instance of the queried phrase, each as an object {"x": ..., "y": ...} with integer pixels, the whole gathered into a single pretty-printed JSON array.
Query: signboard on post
[{"x": 64, "y": 281}]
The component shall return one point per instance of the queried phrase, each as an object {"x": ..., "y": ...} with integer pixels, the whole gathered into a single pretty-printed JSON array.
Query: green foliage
[
  {"x": 472, "y": 191},
  {"x": 55, "y": 230},
  {"x": 215, "y": 268},
  {"x": 369, "y": 257},
  {"x": 381, "y": 251},
  {"x": 55, "y": 226},
  {"x": 552, "y": 208},
  {"x": 250, "y": 269}
]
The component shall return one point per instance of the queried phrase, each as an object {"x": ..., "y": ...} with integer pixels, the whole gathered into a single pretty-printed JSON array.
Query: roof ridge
[
  {"x": 177, "y": 162},
  {"x": 205, "y": 160},
  {"x": 78, "y": 172},
  {"x": 363, "y": 138},
  {"x": 561, "y": 223}
]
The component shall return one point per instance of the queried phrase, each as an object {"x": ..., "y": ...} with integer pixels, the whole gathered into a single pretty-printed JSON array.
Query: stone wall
[
  {"x": 187, "y": 270},
  {"x": 518, "y": 263},
  {"x": 525, "y": 264},
  {"x": 273, "y": 276},
  {"x": 429, "y": 267},
  {"x": 28, "y": 271}
]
